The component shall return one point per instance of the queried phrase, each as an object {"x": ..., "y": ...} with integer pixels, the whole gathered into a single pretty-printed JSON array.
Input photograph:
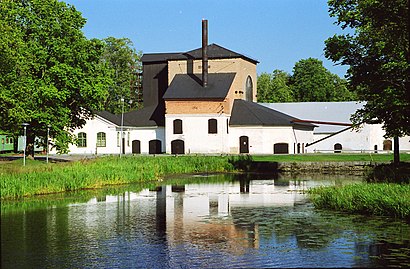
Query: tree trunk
[
  {"x": 396, "y": 151},
  {"x": 30, "y": 144}
]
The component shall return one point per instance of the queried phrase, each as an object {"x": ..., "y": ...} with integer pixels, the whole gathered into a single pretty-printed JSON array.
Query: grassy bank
[
  {"x": 373, "y": 199},
  {"x": 39, "y": 178}
]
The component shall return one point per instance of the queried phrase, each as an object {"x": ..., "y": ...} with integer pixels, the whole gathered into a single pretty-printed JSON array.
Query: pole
[
  {"x": 25, "y": 143},
  {"x": 48, "y": 134},
  {"x": 122, "y": 123}
]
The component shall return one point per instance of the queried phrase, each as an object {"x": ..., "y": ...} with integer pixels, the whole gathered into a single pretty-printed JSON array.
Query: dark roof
[
  {"x": 214, "y": 52},
  {"x": 245, "y": 113},
  {"x": 144, "y": 117},
  {"x": 188, "y": 86},
  {"x": 161, "y": 57},
  {"x": 116, "y": 119}
]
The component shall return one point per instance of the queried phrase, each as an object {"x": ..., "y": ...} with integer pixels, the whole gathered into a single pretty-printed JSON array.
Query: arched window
[
  {"x": 249, "y": 89},
  {"x": 281, "y": 148},
  {"x": 101, "y": 139},
  {"x": 212, "y": 126},
  {"x": 387, "y": 145},
  {"x": 177, "y": 126},
  {"x": 337, "y": 148},
  {"x": 82, "y": 140}
]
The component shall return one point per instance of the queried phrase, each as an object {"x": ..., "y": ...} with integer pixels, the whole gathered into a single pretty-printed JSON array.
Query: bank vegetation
[{"x": 40, "y": 178}]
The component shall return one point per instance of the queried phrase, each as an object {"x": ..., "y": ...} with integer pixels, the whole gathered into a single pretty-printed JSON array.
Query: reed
[
  {"x": 95, "y": 173},
  {"x": 373, "y": 199}
]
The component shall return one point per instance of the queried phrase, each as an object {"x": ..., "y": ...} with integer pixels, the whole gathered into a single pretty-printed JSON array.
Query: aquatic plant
[{"x": 364, "y": 198}]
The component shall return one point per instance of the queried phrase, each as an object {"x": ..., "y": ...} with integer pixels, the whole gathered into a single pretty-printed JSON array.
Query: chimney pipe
[{"x": 204, "y": 53}]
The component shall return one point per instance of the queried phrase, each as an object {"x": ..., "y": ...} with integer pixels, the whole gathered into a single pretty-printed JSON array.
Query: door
[
  {"x": 123, "y": 146},
  {"x": 155, "y": 147},
  {"x": 177, "y": 147},
  {"x": 136, "y": 147},
  {"x": 243, "y": 144}
]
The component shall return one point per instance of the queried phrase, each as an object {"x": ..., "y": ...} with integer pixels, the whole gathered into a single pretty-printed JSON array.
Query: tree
[
  {"x": 274, "y": 88},
  {"x": 125, "y": 64},
  {"x": 312, "y": 82},
  {"x": 377, "y": 53},
  {"x": 50, "y": 74}
]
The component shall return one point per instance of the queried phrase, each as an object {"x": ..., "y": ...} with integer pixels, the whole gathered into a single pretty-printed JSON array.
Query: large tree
[
  {"x": 50, "y": 73},
  {"x": 376, "y": 49},
  {"x": 125, "y": 64},
  {"x": 274, "y": 88},
  {"x": 312, "y": 82}
]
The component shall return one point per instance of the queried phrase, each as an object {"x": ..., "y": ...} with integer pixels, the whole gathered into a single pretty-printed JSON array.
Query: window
[
  {"x": 387, "y": 145},
  {"x": 128, "y": 139},
  {"x": 177, "y": 126},
  {"x": 101, "y": 139},
  {"x": 212, "y": 126},
  {"x": 118, "y": 139},
  {"x": 281, "y": 148},
  {"x": 249, "y": 89},
  {"x": 337, "y": 148},
  {"x": 82, "y": 140}
]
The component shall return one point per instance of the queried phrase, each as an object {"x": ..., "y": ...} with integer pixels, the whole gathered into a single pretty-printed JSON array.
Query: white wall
[
  {"x": 262, "y": 139},
  {"x": 362, "y": 140},
  {"x": 195, "y": 133},
  {"x": 144, "y": 135},
  {"x": 91, "y": 128}
]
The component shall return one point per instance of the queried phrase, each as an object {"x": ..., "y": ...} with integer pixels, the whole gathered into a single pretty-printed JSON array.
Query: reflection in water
[{"x": 217, "y": 221}]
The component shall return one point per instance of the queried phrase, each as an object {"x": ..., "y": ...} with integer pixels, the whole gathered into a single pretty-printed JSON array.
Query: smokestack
[{"x": 204, "y": 53}]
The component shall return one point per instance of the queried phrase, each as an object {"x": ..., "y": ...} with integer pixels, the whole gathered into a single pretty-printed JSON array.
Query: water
[{"x": 220, "y": 221}]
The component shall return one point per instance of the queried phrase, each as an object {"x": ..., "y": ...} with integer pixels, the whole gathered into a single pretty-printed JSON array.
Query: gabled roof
[
  {"x": 188, "y": 86},
  {"x": 218, "y": 52},
  {"x": 245, "y": 113},
  {"x": 214, "y": 52}
]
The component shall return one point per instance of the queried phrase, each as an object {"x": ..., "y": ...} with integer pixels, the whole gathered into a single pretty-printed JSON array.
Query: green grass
[
  {"x": 373, "y": 199},
  {"x": 319, "y": 157},
  {"x": 39, "y": 178}
]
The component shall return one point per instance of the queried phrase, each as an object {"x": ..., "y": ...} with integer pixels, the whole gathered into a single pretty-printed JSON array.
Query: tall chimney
[{"x": 204, "y": 53}]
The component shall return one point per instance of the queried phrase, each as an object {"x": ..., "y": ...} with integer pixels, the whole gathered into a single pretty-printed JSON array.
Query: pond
[{"x": 202, "y": 221}]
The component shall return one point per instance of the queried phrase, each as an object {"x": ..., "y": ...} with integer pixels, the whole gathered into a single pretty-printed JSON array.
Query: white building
[{"x": 203, "y": 101}]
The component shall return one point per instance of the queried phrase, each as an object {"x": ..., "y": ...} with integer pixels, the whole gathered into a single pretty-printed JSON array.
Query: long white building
[{"x": 204, "y": 101}]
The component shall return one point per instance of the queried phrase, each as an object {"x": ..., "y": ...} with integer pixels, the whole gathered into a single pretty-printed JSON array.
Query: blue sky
[{"x": 277, "y": 33}]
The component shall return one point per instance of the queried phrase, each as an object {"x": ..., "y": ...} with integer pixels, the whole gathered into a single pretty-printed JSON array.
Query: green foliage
[
  {"x": 310, "y": 82},
  {"x": 125, "y": 65},
  {"x": 376, "y": 49},
  {"x": 50, "y": 73},
  {"x": 274, "y": 88},
  {"x": 374, "y": 199}
]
